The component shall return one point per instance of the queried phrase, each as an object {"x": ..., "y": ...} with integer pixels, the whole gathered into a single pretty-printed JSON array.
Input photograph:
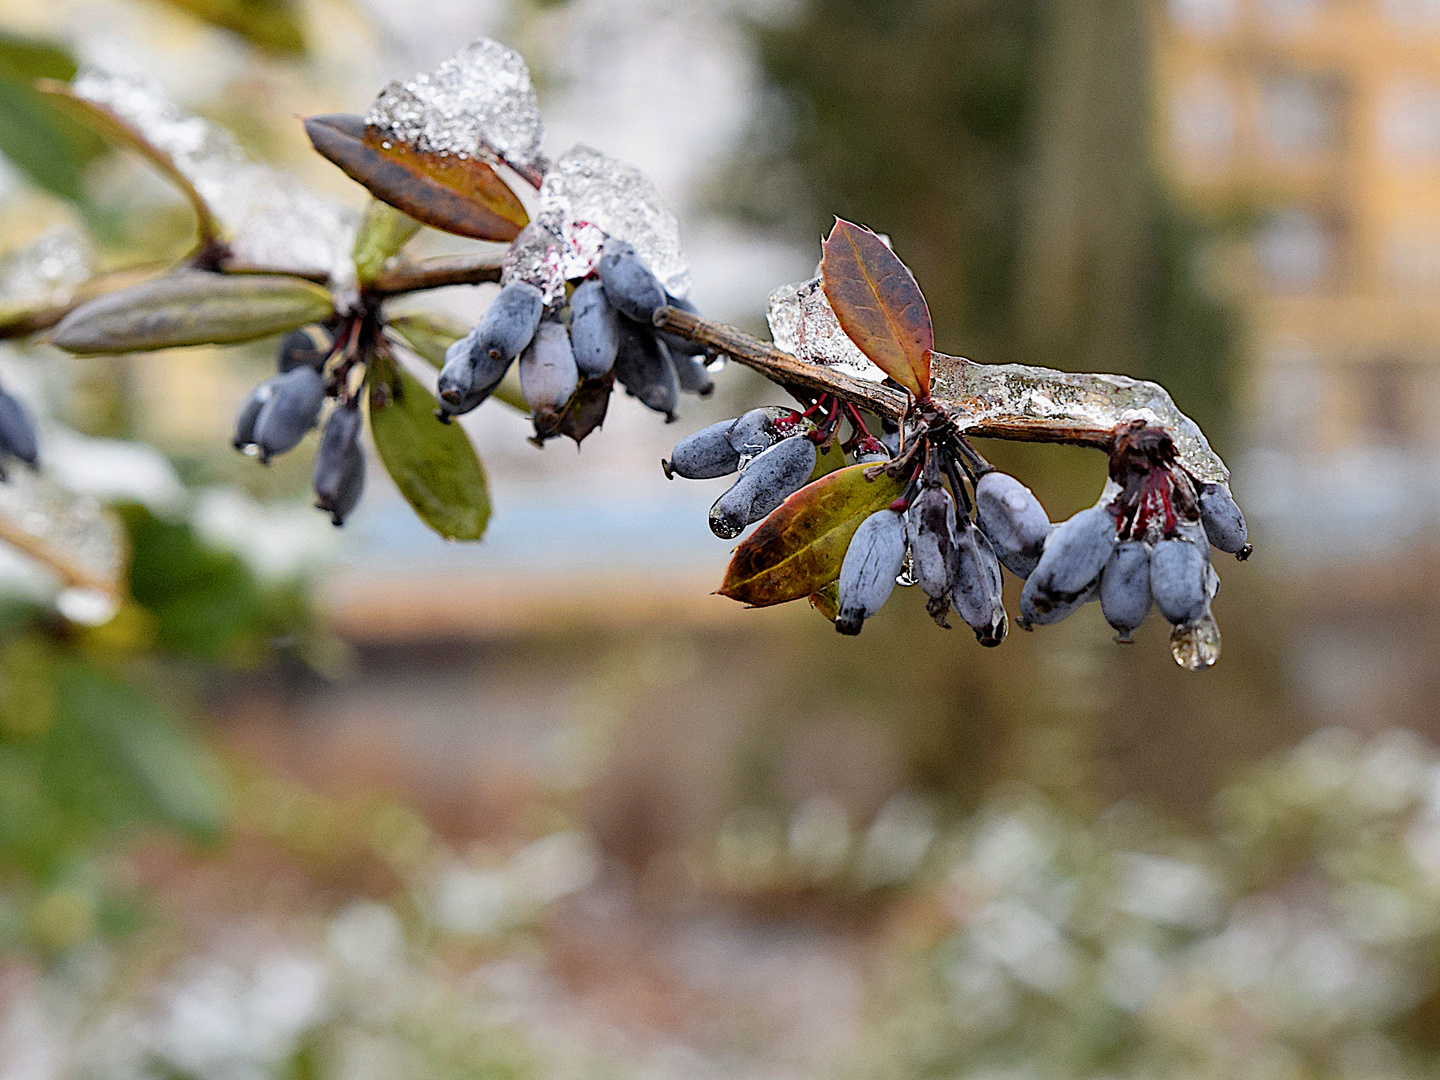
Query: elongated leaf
[
  {"x": 382, "y": 233},
  {"x": 43, "y": 143},
  {"x": 457, "y": 195},
  {"x": 879, "y": 305},
  {"x": 120, "y": 132},
  {"x": 798, "y": 549},
  {"x": 433, "y": 464},
  {"x": 428, "y": 334},
  {"x": 192, "y": 307}
]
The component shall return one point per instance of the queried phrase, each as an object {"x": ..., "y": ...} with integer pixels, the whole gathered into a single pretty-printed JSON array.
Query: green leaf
[
  {"x": 464, "y": 196},
  {"x": 272, "y": 25},
  {"x": 798, "y": 549},
  {"x": 117, "y": 131},
  {"x": 192, "y": 307},
  {"x": 34, "y": 142},
  {"x": 383, "y": 231},
  {"x": 433, "y": 464},
  {"x": 119, "y": 755},
  {"x": 429, "y": 335},
  {"x": 879, "y": 305}
]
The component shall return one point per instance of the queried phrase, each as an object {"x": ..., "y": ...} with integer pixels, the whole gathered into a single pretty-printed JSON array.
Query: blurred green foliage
[
  {"x": 95, "y": 742},
  {"x": 49, "y": 148}
]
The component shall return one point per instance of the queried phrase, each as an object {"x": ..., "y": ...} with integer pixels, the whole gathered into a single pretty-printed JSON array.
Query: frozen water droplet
[
  {"x": 586, "y": 197},
  {"x": 804, "y": 325},
  {"x": 478, "y": 103},
  {"x": 269, "y": 219},
  {"x": 1197, "y": 646},
  {"x": 45, "y": 272},
  {"x": 88, "y": 607}
]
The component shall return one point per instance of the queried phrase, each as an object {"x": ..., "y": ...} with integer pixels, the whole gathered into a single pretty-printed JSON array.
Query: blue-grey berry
[
  {"x": 872, "y": 562},
  {"x": 292, "y": 410},
  {"x": 1010, "y": 515},
  {"x": 339, "y": 475},
  {"x": 758, "y": 429},
  {"x": 594, "y": 329},
  {"x": 1125, "y": 588},
  {"x": 548, "y": 375},
  {"x": 629, "y": 285},
  {"x": 17, "y": 432},
  {"x": 309, "y": 346},
  {"x": 976, "y": 593},
  {"x": 643, "y": 367},
  {"x": 508, "y": 323},
  {"x": 930, "y": 531},
  {"x": 1179, "y": 576},
  {"x": 703, "y": 455},
  {"x": 1221, "y": 516},
  {"x": 249, "y": 410},
  {"x": 767, "y": 482}
]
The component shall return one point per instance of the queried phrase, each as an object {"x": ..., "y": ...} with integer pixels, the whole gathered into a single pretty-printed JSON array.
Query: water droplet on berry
[{"x": 1196, "y": 646}]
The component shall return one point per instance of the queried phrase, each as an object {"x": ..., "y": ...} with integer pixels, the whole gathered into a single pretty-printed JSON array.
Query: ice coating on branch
[
  {"x": 478, "y": 103},
  {"x": 46, "y": 272},
  {"x": 804, "y": 325},
  {"x": 39, "y": 515},
  {"x": 586, "y": 197},
  {"x": 1093, "y": 402},
  {"x": 268, "y": 218}
]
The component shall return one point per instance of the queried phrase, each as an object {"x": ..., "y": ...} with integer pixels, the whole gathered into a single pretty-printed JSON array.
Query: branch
[
  {"x": 70, "y": 573},
  {"x": 435, "y": 274},
  {"x": 877, "y": 398}
]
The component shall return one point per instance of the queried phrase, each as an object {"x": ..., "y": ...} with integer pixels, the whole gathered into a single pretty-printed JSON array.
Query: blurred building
[{"x": 1316, "y": 124}]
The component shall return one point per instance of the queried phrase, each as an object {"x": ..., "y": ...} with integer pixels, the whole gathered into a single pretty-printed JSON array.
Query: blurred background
[{"x": 360, "y": 803}]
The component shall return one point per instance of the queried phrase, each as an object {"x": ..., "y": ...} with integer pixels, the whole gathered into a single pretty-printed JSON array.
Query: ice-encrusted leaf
[
  {"x": 433, "y": 464},
  {"x": 803, "y": 324},
  {"x": 879, "y": 305},
  {"x": 479, "y": 103},
  {"x": 588, "y": 196},
  {"x": 460, "y": 195},
  {"x": 798, "y": 549},
  {"x": 267, "y": 219},
  {"x": 192, "y": 307}
]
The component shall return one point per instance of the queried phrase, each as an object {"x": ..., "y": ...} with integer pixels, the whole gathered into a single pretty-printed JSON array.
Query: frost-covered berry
[
  {"x": 1125, "y": 588},
  {"x": 704, "y": 455},
  {"x": 872, "y": 562}
]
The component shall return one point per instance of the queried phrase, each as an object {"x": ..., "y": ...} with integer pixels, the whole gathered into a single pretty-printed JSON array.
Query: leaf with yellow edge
[{"x": 798, "y": 549}]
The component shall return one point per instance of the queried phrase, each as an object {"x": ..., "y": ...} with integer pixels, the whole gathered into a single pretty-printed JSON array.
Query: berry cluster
[
  {"x": 279, "y": 412},
  {"x": 573, "y": 352}
]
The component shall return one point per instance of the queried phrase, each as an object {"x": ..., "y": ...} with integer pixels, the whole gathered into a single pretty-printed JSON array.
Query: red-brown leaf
[
  {"x": 457, "y": 195},
  {"x": 879, "y": 305}
]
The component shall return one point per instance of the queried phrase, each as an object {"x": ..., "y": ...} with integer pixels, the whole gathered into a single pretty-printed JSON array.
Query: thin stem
[
  {"x": 435, "y": 274},
  {"x": 71, "y": 574}
]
